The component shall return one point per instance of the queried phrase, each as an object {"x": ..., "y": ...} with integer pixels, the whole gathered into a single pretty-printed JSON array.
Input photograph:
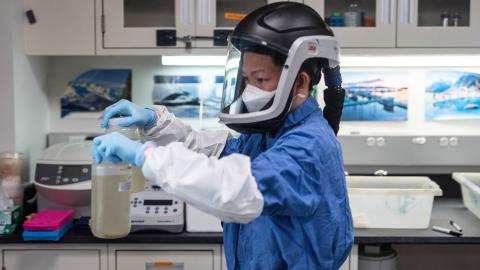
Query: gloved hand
[
  {"x": 115, "y": 147},
  {"x": 136, "y": 115}
]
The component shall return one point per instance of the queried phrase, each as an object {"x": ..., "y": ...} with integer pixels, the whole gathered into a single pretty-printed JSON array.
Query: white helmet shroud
[{"x": 234, "y": 112}]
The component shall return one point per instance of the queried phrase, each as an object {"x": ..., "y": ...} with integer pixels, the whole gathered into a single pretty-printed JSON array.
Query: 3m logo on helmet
[{"x": 312, "y": 48}]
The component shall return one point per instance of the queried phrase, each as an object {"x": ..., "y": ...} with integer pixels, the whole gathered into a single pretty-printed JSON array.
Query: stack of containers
[
  {"x": 11, "y": 191},
  {"x": 48, "y": 225}
]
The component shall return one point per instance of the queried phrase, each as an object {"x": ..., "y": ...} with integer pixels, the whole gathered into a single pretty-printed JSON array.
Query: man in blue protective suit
[{"x": 280, "y": 187}]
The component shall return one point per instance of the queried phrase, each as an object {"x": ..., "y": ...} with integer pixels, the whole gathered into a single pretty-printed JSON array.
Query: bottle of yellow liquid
[
  {"x": 133, "y": 133},
  {"x": 111, "y": 187}
]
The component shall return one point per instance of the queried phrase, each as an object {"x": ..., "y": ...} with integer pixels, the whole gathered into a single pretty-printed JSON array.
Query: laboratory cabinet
[
  {"x": 351, "y": 263},
  {"x": 402, "y": 23},
  {"x": 181, "y": 256},
  {"x": 59, "y": 27},
  {"x": 130, "y": 27},
  {"x": 166, "y": 24},
  {"x": 438, "y": 23},
  {"x": 54, "y": 257},
  {"x": 367, "y": 23},
  {"x": 122, "y": 256},
  {"x": 436, "y": 154}
]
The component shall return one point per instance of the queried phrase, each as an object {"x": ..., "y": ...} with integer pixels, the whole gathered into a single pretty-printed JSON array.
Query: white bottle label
[
  {"x": 125, "y": 186},
  {"x": 351, "y": 18}
]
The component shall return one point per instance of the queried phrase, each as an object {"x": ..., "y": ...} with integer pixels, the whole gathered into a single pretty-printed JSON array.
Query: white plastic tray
[
  {"x": 470, "y": 183},
  {"x": 394, "y": 202}
]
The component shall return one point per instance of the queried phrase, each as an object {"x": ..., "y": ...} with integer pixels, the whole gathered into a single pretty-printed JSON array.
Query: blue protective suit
[{"x": 306, "y": 221}]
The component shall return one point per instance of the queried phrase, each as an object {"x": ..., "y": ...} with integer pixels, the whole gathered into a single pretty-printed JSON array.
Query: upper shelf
[{"x": 116, "y": 27}]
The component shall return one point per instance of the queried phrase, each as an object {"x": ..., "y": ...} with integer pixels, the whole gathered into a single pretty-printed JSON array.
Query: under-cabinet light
[{"x": 194, "y": 60}]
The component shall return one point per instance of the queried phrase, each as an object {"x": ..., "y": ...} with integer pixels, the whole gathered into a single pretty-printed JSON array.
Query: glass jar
[
  {"x": 111, "y": 187},
  {"x": 110, "y": 200},
  {"x": 133, "y": 133},
  {"x": 11, "y": 176}
]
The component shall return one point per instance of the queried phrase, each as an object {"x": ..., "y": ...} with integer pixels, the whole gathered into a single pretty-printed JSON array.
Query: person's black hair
[{"x": 312, "y": 66}]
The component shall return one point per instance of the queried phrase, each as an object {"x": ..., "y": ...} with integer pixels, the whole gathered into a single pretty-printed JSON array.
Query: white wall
[
  {"x": 64, "y": 69},
  {"x": 416, "y": 124},
  {"x": 7, "y": 132},
  {"x": 24, "y": 107}
]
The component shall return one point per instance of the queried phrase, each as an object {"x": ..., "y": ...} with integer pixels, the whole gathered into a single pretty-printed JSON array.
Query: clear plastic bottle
[
  {"x": 352, "y": 16},
  {"x": 456, "y": 19},
  {"x": 133, "y": 133},
  {"x": 445, "y": 16},
  {"x": 111, "y": 186}
]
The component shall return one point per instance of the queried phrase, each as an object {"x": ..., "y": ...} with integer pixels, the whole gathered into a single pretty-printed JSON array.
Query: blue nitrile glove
[
  {"x": 115, "y": 148},
  {"x": 135, "y": 115}
]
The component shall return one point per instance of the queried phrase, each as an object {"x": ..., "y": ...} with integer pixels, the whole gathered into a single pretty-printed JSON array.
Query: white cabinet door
[
  {"x": 62, "y": 27},
  {"x": 421, "y": 24},
  {"x": 379, "y": 18},
  {"x": 144, "y": 24},
  {"x": 217, "y": 18},
  {"x": 224, "y": 260},
  {"x": 191, "y": 260},
  {"x": 51, "y": 259}
]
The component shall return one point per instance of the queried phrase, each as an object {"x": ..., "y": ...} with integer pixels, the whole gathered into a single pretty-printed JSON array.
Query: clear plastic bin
[
  {"x": 394, "y": 202},
  {"x": 470, "y": 183}
]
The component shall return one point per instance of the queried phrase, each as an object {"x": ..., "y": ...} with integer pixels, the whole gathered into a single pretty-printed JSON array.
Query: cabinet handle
[{"x": 219, "y": 38}]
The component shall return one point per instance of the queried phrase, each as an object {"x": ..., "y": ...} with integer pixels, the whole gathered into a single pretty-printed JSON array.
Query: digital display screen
[
  {"x": 72, "y": 170},
  {"x": 157, "y": 202}
]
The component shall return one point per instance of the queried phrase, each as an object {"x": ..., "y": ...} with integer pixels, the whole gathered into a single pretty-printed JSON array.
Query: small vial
[
  {"x": 445, "y": 16},
  {"x": 456, "y": 19}
]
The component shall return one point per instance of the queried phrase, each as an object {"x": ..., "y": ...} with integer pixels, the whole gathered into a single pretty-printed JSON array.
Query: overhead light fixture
[
  {"x": 194, "y": 60},
  {"x": 346, "y": 60},
  {"x": 411, "y": 61}
]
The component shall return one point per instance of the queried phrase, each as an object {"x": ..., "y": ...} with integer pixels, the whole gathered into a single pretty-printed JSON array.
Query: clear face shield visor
[{"x": 251, "y": 79}]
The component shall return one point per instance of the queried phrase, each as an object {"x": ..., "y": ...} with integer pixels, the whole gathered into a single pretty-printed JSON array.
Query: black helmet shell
[{"x": 278, "y": 25}]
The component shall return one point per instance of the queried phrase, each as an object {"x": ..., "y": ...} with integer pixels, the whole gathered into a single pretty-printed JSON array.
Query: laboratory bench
[
  {"x": 443, "y": 211},
  {"x": 199, "y": 251}
]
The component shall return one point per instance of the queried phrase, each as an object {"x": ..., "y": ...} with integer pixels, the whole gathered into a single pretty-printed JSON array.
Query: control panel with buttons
[
  {"x": 155, "y": 209},
  {"x": 56, "y": 175}
]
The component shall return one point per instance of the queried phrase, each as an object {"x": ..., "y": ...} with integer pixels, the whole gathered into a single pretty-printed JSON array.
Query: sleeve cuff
[{"x": 143, "y": 151}]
